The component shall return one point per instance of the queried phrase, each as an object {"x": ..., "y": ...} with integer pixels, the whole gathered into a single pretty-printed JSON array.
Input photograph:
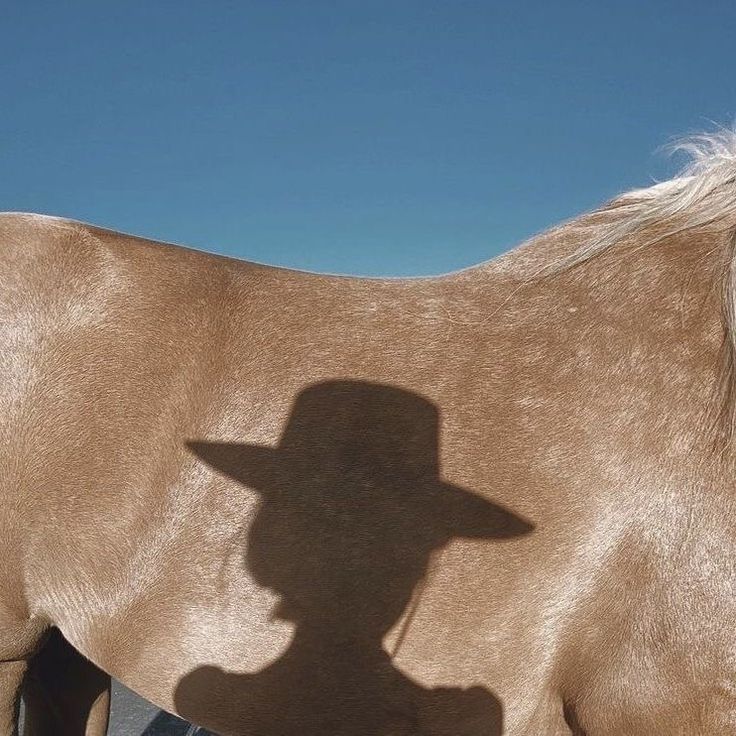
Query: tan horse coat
[{"x": 576, "y": 577}]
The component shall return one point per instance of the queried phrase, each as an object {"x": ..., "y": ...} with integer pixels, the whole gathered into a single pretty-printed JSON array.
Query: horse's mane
[{"x": 702, "y": 195}]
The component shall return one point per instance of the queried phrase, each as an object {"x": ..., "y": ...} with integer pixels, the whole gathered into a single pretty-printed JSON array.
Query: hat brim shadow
[{"x": 462, "y": 513}]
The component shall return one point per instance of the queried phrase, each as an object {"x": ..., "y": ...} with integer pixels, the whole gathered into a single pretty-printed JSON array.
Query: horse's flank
[{"x": 176, "y": 425}]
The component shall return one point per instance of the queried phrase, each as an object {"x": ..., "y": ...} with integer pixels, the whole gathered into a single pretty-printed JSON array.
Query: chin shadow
[{"x": 352, "y": 508}]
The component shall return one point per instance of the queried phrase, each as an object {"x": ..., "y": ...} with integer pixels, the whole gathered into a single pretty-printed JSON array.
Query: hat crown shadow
[{"x": 349, "y": 424}]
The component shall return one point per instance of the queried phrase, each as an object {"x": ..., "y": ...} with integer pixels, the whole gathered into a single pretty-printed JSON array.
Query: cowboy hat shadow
[{"x": 352, "y": 509}]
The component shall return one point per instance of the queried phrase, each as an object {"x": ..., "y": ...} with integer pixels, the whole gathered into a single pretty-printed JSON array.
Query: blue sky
[{"x": 366, "y": 137}]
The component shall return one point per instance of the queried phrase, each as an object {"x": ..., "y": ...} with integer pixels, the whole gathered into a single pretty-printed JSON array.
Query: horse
[{"x": 497, "y": 501}]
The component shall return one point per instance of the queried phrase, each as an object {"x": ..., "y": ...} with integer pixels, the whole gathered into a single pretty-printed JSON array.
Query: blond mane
[{"x": 702, "y": 194}]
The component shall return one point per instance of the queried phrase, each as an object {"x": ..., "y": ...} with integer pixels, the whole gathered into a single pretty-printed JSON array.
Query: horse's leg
[
  {"x": 11, "y": 680},
  {"x": 20, "y": 638},
  {"x": 64, "y": 693}
]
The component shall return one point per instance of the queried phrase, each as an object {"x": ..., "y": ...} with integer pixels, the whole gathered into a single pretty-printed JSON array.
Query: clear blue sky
[{"x": 399, "y": 137}]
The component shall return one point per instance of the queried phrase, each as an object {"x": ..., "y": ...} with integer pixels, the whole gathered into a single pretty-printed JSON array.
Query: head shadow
[{"x": 352, "y": 507}]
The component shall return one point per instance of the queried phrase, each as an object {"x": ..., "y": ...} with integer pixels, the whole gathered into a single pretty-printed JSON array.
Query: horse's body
[{"x": 581, "y": 407}]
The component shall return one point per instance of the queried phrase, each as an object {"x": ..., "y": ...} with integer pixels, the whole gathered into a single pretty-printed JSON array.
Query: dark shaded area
[
  {"x": 571, "y": 719},
  {"x": 352, "y": 509},
  {"x": 61, "y": 689}
]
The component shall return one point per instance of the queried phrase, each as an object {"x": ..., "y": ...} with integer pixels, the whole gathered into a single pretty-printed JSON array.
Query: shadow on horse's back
[{"x": 497, "y": 501}]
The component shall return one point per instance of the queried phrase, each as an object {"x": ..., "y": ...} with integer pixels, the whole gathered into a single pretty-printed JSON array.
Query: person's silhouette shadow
[{"x": 353, "y": 507}]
